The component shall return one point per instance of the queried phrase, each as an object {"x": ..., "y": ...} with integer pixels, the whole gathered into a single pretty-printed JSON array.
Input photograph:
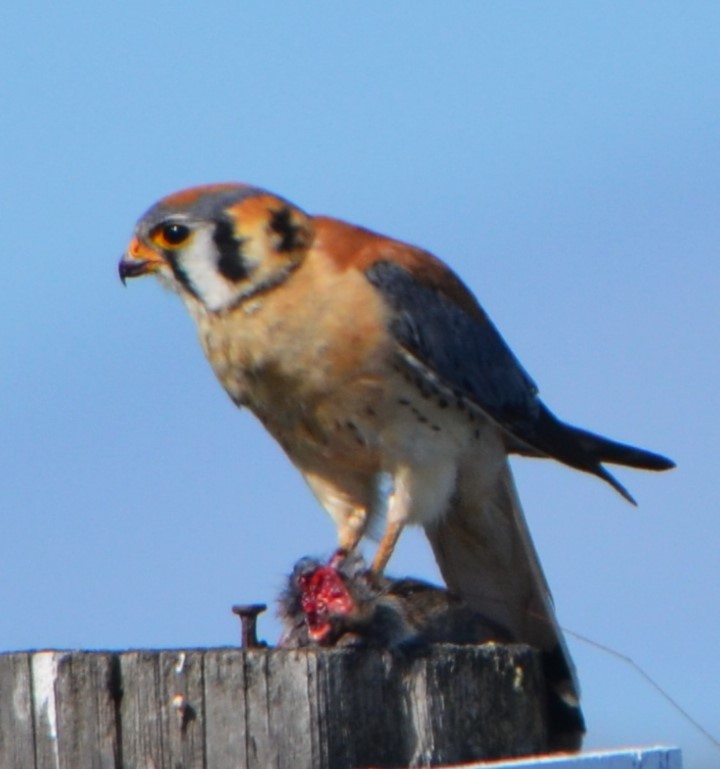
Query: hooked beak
[{"x": 138, "y": 260}]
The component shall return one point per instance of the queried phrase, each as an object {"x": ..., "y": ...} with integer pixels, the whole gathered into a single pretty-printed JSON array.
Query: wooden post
[{"x": 259, "y": 709}]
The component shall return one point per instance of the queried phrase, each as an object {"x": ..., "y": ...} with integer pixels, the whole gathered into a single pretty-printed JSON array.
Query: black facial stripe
[
  {"x": 231, "y": 263},
  {"x": 178, "y": 272},
  {"x": 281, "y": 224}
]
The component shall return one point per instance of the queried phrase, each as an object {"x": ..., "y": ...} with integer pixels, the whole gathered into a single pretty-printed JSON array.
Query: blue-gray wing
[{"x": 455, "y": 352}]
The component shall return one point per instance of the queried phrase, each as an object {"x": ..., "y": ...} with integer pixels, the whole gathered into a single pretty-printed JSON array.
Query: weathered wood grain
[
  {"x": 181, "y": 677},
  {"x": 269, "y": 709},
  {"x": 142, "y": 711},
  {"x": 43, "y": 678},
  {"x": 17, "y": 730},
  {"x": 226, "y": 731},
  {"x": 162, "y": 710},
  {"x": 87, "y": 688}
]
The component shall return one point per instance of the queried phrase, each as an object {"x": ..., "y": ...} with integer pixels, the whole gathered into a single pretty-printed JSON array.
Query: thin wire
[{"x": 650, "y": 680}]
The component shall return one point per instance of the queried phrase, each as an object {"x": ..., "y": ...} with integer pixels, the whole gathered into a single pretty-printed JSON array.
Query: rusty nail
[{"x": 248, "y": 614}]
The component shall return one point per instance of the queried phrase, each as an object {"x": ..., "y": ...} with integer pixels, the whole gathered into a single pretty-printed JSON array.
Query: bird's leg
[
  {"x": 386, "y": 546},
  {"x": 398, "y": 498},
  {"x": 353, "y": 523},
  {"x": 346, "y": 500},
  {"x": 351, "y": 530},
  {"x": 419, "y": 493}
]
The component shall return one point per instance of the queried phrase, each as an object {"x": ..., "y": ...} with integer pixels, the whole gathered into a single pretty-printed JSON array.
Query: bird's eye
[{"x": 174, "y": 234}]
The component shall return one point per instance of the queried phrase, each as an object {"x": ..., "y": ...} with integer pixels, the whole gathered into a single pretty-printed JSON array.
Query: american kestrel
[{"x": 383, "y": 380}]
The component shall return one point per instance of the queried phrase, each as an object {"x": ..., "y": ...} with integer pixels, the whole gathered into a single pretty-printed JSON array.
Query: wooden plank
[
  {"x": 261, "y": 750},
  {"x": 44, "y": 671},
  {"x": 87, "y": 692},
  {"x": 363, "y": 709},
  {"x": 141, "y": 709},
  {"x": 162, "y": 709},
  {"x": 225, "y": 715},
  {"x": 346, "y": 708},
  {"x": 181, "y": 686},
  {"x": 17, "y": 731},
  {"x": 290, "y": 709},
  {"x": 384, "y": 710},
  {"x": 269, "y": 708},
  {"x": 495, "y": 711}
]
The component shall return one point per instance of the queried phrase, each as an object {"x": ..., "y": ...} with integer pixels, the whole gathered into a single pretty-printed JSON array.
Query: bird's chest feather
[{"x": 314, "y": 375}]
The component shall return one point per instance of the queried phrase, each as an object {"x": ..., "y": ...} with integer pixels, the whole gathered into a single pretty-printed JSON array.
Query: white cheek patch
[{"x": 199, "y": 263}]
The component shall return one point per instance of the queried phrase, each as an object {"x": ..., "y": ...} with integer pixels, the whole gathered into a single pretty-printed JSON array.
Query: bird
[{"x": 384, "y": 381}]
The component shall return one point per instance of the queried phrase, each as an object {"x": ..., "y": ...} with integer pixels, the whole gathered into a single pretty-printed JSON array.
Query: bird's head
[{"x": 218, "y": 245}]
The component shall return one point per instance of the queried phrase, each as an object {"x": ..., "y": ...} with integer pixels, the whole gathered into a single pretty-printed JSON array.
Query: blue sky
[{"x": 564, "y": 158}]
